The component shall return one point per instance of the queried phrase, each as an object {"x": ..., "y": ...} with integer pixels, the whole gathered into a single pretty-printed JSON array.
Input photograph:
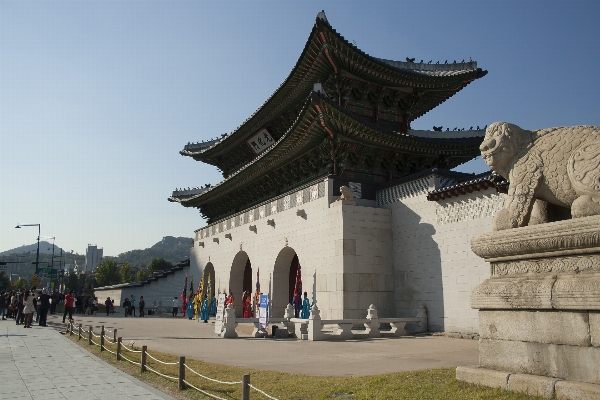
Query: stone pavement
[
  {"x": 39, "y": 363},
  {"x": 197, "y": 340}
]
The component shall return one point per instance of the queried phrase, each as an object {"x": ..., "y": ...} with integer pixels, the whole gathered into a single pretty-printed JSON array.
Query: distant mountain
[
  {"x": 45, "y": 248},
  {"x": 174, "y": 249}
]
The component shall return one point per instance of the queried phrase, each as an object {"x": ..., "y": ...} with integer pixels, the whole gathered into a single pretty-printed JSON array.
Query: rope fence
[{"x": 182, "y": 382}]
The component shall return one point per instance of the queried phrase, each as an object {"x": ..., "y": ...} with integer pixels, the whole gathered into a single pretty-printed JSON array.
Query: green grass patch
[{"x": 437, "y": 383}]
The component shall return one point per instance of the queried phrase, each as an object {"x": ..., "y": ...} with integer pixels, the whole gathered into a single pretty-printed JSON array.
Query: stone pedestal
[{"x": 539, "y": 313}]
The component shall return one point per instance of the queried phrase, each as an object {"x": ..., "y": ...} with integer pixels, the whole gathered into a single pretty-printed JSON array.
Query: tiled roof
[{"x": 479, "y": 182}]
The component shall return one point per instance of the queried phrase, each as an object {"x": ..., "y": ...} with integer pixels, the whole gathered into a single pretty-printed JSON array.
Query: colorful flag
[
  {"x": 297, "y": 301},
  {"x": 183, "y": 298},
  {"x": 257, "y": 293},
  {"x": 191, "y": 287}
]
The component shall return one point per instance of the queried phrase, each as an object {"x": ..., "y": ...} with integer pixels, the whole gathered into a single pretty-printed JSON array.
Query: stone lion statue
[
  {"x": 347, "y": 196},
  {"x": 554, "y": 173}
]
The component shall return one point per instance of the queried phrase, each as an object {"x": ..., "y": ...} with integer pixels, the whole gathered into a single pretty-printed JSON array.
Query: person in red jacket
[{"x": 69, "y": 304}]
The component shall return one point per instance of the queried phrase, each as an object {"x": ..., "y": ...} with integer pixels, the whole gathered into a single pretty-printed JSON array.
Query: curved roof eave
[
  {"x": 402, "y": 142},
  {"x": 202, "y": 152}
]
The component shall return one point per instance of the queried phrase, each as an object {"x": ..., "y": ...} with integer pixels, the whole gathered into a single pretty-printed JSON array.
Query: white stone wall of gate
[
  {"x": 433, "y": 261},
  {"x": 344, "y": 252}
]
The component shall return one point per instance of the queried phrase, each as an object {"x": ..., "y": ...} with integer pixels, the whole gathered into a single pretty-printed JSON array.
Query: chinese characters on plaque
[{"x": 260, "y": 141}]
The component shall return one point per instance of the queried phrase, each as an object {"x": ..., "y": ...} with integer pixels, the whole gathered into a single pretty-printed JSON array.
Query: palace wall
[
  {"x": 344, "y": 252},
  {"x": 433, "y": 261},
  {"x": 163, "y": 289}
]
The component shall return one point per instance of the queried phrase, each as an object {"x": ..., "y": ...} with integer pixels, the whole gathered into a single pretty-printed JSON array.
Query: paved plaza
[
  {"x": 197, "y": 340},
  {"x": 39, "y": 363}
]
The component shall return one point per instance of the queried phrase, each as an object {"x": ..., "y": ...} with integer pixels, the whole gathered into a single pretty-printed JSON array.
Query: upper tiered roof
[{"x": 412, "y": 89}]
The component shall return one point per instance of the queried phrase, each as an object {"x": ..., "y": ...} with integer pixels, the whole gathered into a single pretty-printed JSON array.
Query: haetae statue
[
  {"x": 549, "y": 170},
  {"x": 347, "y": 196}
]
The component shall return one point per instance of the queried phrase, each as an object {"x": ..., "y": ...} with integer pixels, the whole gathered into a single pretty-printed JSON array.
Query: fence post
[
  {"x": 119, "y": 348},
  {"x": 181, "y": 372},
  {"x": 246, "y": 387},
  {"x": 143, "y": 361},
  {"x": 102, "y": 339},
  {"x": 90, "y": 335},
  {"x": 72, "y": 325},
  {"x": 79, "y": 333},
  {"x": 115, "y": 335}
]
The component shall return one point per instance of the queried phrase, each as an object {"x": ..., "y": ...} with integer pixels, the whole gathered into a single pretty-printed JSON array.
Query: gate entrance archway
[
  {"x": 209, "y": 272},
  {"x": 284, "y": 280},
  {"x": 240, "y": 279}
]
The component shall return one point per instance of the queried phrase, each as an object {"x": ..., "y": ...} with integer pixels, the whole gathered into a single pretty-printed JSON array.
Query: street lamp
[
  {"x": 37, "y": 257},
  {"x": 53, "y": 241}
]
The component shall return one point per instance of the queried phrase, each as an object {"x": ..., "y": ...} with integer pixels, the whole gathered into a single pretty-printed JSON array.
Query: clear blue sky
[{"x": 97, "y": 98}]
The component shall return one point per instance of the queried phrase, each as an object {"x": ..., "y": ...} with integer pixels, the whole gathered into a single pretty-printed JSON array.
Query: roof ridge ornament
[{"x": 321, "y": 16}]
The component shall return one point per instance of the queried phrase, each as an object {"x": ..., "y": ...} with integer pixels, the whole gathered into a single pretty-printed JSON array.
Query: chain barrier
[
  {"x": 261, "y": 392},
  {"x": 162, "y": 362},
  {"x": 133, "y": 351},
  {"x": 202, "y": 391},
  {"x": 127, "y": 359},
  {"x": 211, "y": 379},
  {"x": 123, "y": 346},
  {"x": 158, "y": 373}
]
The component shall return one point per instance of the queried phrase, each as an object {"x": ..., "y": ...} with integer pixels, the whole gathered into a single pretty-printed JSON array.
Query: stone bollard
[
  {"x": 314, "y": 324},
  {"x": 289, "y": 314},
  {"x": 119, "y": 340},
  {"x": 90, "y": 336},
  {"x": 115, "y": 335},
  {"x": 422, "y": 314},
  {"x": 372, "y": 326},
  {"x": 229, "y": 324},
  {"x": 79, "y": 333}
]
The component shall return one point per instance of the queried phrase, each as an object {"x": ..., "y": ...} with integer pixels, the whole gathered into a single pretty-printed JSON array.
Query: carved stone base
[
  {"x": 532, "y": 385},
  {"x": 539, "y": 313}
]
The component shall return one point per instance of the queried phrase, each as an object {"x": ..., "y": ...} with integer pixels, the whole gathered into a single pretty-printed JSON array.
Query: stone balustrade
[{"x": 314, "y": 328}]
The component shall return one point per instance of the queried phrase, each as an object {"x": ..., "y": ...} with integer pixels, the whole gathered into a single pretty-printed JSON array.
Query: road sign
[
  {"x": 34, "y": 281},
  {"x": 47, "y": 273}
]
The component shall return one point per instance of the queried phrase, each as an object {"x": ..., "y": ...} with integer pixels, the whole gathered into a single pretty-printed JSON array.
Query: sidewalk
[{"x": 39, "y": 363}]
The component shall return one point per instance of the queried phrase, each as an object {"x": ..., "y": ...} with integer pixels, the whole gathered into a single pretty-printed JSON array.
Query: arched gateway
[
  {"x": 284, "y": 280},
  {"x": 240, "y": 279},
  {"x": 208, "y": 274}
]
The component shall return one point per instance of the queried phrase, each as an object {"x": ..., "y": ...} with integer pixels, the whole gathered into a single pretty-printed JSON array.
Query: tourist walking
[
  {"x": 132, "y": 301},
  {"x": 69, "y": 305},
  {"x": 20, "y": 315},
  {"x": 44, "y": 307},
  {"x": 28, "y": 308},
  {"x": 142, "y": 305},
  {"x": 175, "y": 306},
  {"x": 127, "y": 306},
  {"x": 108, "y": 305},
  {"x": 3, "y": 304}
]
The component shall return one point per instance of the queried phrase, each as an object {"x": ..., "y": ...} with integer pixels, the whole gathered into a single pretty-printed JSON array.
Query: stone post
[
  {"x": 229, "y": 324},
  {"x": 289, "y": 314},
  {"x": 314, "y": 324},
  {"x": 372, "y": 326},
  {"x": 90, "y": 336},
  {"x": 115, "y": 335},
  {"x": 79, "y": 333},
  {"x": 246, "y": 387},
  {"x": 119, "y": 340}
]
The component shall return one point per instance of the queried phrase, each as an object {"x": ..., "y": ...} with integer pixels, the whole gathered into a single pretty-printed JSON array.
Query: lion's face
[{"x": 500, "y": 146}]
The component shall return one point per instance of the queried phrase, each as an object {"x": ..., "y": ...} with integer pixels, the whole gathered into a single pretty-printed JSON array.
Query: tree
[
  {"x": 159, "y": 264},
  {"x": 73, "y": 282},
  {"x": 21, "y": 284},
  {"x": 4, "y": 281},
  {"x": 141, "y": 274},
  {"x": 125, "y": 272},
  {"x": 107, "y": 273}
]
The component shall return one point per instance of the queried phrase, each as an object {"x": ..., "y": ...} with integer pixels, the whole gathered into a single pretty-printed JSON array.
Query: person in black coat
[{"x": 44, "y": 307}]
